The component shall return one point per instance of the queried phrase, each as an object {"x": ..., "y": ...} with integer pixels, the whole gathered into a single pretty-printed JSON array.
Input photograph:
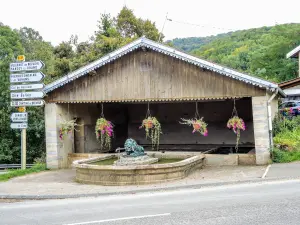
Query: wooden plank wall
[{"x": 148, "y": 75}]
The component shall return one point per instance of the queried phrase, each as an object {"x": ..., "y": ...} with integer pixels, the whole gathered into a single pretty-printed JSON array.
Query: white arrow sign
[
  {"x": 26, "y": 87},
  {"x": 27, "y": 103},
  {"x": 26, "y": 66},
  {"x": 18, "y": 125},
  {"x": 26, "y": 77},
  {"x": 26, "y": 95},
  {"x": 19, "y": 117}
]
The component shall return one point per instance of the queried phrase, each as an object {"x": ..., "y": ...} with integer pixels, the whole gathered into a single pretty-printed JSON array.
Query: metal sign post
[
  {"x": 25, "y": 99},
  {"x": 23, "y": 132}
]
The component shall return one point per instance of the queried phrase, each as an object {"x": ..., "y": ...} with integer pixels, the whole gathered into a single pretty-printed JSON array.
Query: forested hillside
[
  {"x": 260, "y": 51},
  {"x": 192, "y": 43}
]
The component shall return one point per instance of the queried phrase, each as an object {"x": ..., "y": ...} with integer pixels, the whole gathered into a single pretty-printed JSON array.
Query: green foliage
[
  {"x": 10, "y": 47},
  {"x": 279, "y": 156},
  {"x": 281, "y": 124},
  {"x": 193, "y": 43},
  {"x": 259, "y": 51},
  {"x": 288, "y": 139},
  {"x": 286, "y": 133},
  {"x": 18, "y": 172}
]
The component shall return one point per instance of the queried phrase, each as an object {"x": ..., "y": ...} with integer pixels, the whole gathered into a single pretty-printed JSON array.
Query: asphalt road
[{"x": 265, "y": 203}]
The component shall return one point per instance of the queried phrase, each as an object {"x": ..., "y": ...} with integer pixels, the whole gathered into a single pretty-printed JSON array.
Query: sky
[{"x": 57, "y": 20}]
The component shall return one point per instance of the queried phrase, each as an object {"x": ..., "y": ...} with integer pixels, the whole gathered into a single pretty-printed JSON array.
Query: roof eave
[{"x": 294, "y": 53}]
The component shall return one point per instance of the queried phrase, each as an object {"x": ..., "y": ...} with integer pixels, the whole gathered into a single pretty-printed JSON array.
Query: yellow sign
[
  {"x": 21, "y": 58},
  {"x": 22, "y": 109}
]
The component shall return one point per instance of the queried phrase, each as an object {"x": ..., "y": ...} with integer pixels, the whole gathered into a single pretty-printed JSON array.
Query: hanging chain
[
  {"x": 234, "y": 111},
  {"x": 68, "y": 110},
  {"x": 148, "y": 114},
  {"x": 197, "y": 113},
  {"x": 102, "y": 114}
]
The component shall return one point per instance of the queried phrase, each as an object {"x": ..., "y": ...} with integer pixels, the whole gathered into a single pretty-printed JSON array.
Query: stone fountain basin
[{"x": 134, "y": 175}]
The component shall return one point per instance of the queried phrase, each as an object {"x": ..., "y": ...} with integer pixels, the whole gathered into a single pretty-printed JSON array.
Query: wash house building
[{"x": 143, "y": 72}]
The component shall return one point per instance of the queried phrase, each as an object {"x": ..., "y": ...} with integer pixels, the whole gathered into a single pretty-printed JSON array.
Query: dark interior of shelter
[{"x": 127, "y": 118}]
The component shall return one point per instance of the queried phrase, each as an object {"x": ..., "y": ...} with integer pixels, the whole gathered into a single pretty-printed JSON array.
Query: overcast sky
[{"x": 57, "y": 20}]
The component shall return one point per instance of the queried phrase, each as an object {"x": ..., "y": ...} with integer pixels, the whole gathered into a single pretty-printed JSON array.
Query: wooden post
[
  {"x": 23, "y": 132},
  {"x": 23, "y": 149}
]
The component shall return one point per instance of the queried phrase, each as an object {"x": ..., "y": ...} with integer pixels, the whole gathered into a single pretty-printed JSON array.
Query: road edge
[{"x": 136, "y": 191}]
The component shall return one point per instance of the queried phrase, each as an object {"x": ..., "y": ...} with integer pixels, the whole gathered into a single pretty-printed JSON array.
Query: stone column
[
  {"x": 261, "y": 129},
  {"x": 52, "y": 142},
  {"x": 56, "y": 149}
]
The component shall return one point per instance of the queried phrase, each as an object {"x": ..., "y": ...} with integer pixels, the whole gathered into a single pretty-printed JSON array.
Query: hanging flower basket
[
  {"x": 66, "y": 128},
  {"x": 236, "y": 124},
  {"x": 198, "y": 125},
  {"x": 104, "y": 132},
  {"x": 153, "y": 130}
]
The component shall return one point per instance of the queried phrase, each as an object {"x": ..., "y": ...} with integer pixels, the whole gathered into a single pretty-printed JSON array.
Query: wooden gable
[{"x": 146, "y": 75}]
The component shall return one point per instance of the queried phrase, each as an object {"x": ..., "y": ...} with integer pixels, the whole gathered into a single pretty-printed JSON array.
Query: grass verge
[
  {"x": 18, "y": 172},
  {"x": 279, "y": 156}
]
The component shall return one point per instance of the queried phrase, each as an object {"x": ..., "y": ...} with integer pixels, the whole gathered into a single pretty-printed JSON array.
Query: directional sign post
[
  {"x": 26, "y": 87},
  {"x": 27, "y": 73},
  {"x": 18, "y": 125},
  {"x": 27, "y": 95},
  {"x": 19, "y": 117},
  {"x": 26, "y": 77},
  {"x": 26, "y": 66},
  {"x": 37, "y": 102}
]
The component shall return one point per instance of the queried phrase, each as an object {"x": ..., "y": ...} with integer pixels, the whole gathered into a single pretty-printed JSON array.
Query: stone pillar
[
  {"x": 56, "y": 149},
  {"x": 261, "y": 129},
  {"x": 52, "y": 144}
]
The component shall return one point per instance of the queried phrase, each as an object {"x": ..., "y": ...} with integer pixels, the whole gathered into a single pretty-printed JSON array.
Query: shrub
[
  {"x": 281, "y": 124},
  {"x": 287, "y": 139},
  {"x": 279, "y": 156}
]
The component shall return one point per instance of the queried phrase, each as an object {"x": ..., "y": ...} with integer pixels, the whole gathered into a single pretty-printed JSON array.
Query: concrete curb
[{"x": 98, "y": 194}]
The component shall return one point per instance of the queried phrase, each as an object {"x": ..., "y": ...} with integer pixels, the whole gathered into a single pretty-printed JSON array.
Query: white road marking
[
  {"x": 120, "y": 219},
  {"x": 267, "y": 170}
]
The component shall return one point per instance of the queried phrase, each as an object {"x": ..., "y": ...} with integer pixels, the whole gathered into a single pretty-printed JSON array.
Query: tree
[{"x": 10, "y": 47}]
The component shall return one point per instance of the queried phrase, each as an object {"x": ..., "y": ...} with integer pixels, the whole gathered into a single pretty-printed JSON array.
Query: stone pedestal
[{"x": 139, "y": 160}]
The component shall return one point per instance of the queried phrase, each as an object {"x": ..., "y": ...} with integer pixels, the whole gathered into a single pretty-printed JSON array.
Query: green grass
[
  {"x": 18, "y": 172},
  {"x": 279, "y": 156},
  {"x": 109, "y": 162}
]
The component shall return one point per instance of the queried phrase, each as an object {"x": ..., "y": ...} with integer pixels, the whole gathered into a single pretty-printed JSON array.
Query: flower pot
[
  {"x": 149, "y": 124},
  {"x": 196, "y": 126}
]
